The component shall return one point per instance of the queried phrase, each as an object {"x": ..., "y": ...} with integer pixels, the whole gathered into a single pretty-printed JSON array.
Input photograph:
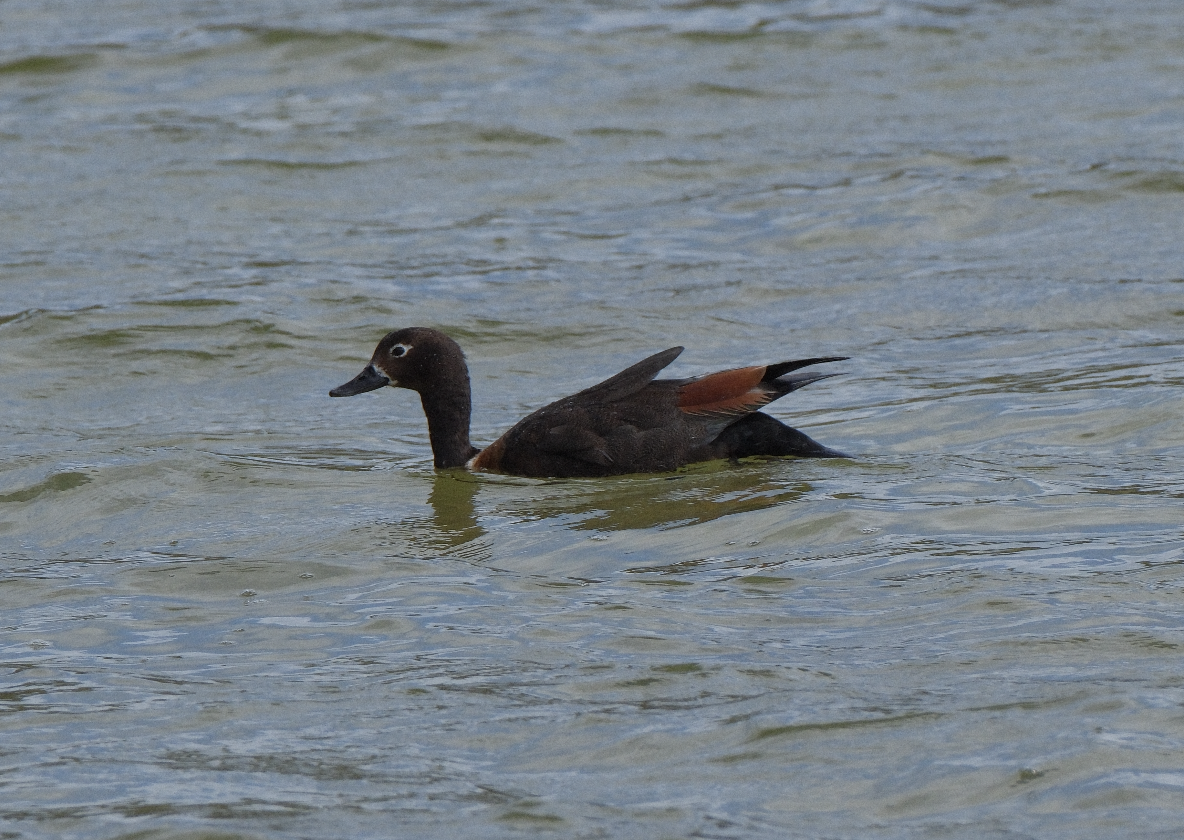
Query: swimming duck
[{"x": 629, "y": 423}]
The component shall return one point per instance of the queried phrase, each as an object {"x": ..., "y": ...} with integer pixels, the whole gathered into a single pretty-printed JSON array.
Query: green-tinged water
[{"x": 231, "y": 607}]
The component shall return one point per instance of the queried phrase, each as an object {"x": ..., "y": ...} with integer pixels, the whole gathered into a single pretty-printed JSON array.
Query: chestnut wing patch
[{"x": 728, "y": 392}]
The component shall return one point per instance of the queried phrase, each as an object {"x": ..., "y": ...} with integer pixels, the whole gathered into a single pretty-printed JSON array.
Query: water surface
[{"x": 233, "y": 607}]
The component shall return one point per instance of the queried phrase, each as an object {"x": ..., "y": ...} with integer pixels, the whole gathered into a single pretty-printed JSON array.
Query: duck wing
[
  {"x": 631, "y": 380},
  {"x": 587, "y": 427},
  {"x": 569, "y": 436}
]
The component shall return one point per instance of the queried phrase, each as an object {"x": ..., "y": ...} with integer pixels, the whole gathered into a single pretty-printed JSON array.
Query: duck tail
[{"x": 761, "y": 434}]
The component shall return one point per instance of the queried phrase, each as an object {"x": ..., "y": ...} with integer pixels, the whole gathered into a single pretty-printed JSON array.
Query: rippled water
[{"x": 233, "y": 607}]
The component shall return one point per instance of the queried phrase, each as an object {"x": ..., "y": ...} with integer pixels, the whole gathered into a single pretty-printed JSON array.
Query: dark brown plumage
[{"x": 630, "y": 423}]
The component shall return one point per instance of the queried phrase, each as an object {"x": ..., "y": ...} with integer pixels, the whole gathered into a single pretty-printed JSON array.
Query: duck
[{"x": 631, "y": 422}]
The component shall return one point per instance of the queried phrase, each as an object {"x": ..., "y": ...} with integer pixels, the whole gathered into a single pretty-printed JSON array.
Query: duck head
[
  {"x": 416, "y": 358},
  {"x": 432, "y": 364}
]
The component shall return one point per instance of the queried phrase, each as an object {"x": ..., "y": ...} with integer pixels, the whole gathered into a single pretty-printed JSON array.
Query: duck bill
[{"x": 368, "y": 380}]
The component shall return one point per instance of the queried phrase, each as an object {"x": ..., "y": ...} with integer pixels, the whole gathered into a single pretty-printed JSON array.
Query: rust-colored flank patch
[
  {"x": 489, "y": 458},
  {"x": 726, "y": 391}
]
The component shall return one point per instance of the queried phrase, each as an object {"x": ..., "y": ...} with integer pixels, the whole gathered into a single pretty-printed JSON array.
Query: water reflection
[
  {"x": 699, "y": 494},
  {"x": 466, "y": 510},
  {"x": 454, "y": 513}
]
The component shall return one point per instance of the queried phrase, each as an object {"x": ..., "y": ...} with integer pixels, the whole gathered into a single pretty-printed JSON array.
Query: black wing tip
[
  {"x": 804, "y": 379},
  {"x": 778, "y": 370}
]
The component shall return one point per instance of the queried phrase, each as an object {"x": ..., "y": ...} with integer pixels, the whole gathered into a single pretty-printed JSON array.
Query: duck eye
[{"x": 399, "y": 350}]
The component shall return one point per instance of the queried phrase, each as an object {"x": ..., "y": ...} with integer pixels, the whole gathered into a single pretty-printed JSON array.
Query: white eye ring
[{"x": 399, "y": 350}]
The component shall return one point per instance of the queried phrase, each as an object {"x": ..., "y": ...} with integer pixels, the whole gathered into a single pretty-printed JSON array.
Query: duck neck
[{"x": 448, "y": 409}]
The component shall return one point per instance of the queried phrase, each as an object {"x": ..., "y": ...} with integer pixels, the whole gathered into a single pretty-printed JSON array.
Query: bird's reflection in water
[
  {"x": 698, "y": 494},
  {"x": 652, "y": 502},
  {"x": 454, "y": 511},
  {"x": 449, "y": 527}
]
